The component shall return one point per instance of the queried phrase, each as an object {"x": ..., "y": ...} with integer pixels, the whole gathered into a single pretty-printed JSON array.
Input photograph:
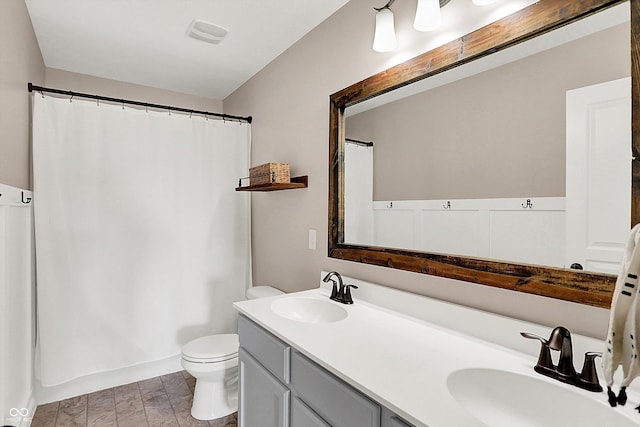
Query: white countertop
[{"x": 401, "y": 361}]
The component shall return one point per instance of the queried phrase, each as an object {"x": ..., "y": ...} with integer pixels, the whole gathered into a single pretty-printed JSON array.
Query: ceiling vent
[{"x": 206, "y": 31}]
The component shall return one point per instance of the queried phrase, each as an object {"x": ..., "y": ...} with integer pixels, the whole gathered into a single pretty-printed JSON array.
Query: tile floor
[{"x": 158, "y": 402}]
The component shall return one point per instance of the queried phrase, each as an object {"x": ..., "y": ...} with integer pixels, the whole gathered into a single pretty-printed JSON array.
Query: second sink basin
[
  {"x": 308, "y": 310},
  {"x": 502, "y": 398}
]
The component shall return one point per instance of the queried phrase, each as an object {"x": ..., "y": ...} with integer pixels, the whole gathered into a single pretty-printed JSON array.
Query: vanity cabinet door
[
  {"x": 337, "y": 403},
  {"x": 303, "y": 416},
  {"x": 264, "y": 401}
]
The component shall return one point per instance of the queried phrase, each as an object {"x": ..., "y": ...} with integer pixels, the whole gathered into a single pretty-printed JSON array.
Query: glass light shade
[
  {"x": 428, "y": 16},
  {"x": 482, "y": 2},
  {"x": 384, "y": 39}
]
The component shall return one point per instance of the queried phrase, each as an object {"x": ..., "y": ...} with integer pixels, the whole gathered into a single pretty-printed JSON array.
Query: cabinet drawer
[
  {"x": 336, "y": 402},
  {"x": 272, "y": 353}
]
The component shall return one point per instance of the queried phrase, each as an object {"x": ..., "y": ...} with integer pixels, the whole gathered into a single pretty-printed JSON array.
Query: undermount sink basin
[
  {"x": 501, "y": 398},
  {"x": 309, "y": 310}
]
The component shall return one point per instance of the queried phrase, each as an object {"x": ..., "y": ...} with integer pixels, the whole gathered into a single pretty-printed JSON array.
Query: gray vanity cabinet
[
  {"x": 263, "y": 400},
  {"x": 280, "y": 387},
  {"x": 333, "y": 400},
  {"x": 272, "y": 353},
  {"x": 303, "y": 416},
  {"x": 389, "y": 419}
]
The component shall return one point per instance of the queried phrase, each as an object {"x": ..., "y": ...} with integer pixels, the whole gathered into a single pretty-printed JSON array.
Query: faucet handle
[
  {"x": 589, "y": 375},
  {"x": 544, "y": 359},
  {"x": 346, "y": 298}
]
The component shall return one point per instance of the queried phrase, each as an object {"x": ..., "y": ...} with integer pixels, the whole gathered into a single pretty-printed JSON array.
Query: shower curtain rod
[
  {"x": 31, "y": 87},
  {"x": 356, "y": 141}
]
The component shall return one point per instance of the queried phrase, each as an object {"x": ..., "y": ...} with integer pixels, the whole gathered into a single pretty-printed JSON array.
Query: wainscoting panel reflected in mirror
[{"x": 507, "y": 164}]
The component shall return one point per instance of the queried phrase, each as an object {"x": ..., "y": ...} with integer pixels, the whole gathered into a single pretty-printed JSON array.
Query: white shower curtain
[
  {"x": 142, "y": 244},
  {"x": 358, "y": 194}
]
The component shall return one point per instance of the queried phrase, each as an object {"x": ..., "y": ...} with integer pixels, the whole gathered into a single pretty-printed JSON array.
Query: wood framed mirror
[{"x": 538, "y": 19}]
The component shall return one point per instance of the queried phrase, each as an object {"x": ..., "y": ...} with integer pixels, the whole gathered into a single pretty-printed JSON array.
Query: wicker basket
[{"x": 270, "y": 173}]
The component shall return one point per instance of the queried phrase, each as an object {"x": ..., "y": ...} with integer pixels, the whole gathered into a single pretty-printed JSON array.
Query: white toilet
[{"x": 213, "y": 361}]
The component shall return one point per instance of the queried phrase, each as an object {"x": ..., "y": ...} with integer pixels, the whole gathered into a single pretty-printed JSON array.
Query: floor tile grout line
[
  {"x": 173, "y": 408},
  {"x": 115, "y": 406},
  {"x": 86, "y": 410},
  {"x": 144, "y": 408},
  {"x": 55, "y": 423}
]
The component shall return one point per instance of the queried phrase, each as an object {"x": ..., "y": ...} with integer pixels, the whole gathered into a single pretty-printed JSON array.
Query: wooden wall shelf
[{"x": 296, "y": 182}]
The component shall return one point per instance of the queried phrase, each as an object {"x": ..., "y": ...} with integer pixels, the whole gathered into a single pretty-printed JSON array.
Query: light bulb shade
[
  {"x": 384, "y": 39},
  {"x": 428, "y": 16},
  {"x": 482, "y": 2}
]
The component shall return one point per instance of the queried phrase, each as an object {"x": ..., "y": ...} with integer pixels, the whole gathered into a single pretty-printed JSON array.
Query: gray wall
[
  {"x": 20, "y": 63},
  {"x": 497, "y": 134},
  {"x": 289, "y": 100},
  {"x": 66, "y": 80}
]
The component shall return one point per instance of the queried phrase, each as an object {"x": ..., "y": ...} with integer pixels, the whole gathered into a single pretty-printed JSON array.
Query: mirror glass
[{"x": 522, "y": 156}]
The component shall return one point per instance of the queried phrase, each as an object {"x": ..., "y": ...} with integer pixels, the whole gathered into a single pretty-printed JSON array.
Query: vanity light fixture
[
  {"x": 384, "y": 39},
  {"x": 427, "y": 18}
]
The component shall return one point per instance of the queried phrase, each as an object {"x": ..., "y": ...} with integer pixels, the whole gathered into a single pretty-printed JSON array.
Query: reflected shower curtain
[
  {"x": 358, "y": 194},
  {"x": 142, "y": 243}
]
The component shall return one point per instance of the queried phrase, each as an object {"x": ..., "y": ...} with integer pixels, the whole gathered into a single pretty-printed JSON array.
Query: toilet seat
[{"x": 212, "y": 349}]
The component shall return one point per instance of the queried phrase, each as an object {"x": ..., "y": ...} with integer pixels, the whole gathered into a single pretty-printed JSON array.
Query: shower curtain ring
[
  {"x": 71, "y": 99},
  {"x": 42, "y": 94}
]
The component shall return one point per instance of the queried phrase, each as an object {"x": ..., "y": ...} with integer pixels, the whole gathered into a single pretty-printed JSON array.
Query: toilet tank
[{"x": 256, "y": 292}]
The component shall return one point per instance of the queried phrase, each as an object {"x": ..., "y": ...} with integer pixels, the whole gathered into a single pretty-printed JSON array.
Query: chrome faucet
[
  {"x": 560, "y": 340},
  {"x": 343, "y": 292}
]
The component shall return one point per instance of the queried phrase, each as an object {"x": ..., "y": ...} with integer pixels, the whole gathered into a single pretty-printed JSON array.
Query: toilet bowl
[{"x": 213, "y": 361}]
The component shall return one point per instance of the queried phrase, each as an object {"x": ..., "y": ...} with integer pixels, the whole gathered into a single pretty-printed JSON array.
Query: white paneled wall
[
  {"x": 17, "y": 324},
  {"x": 519, "y": 229}
]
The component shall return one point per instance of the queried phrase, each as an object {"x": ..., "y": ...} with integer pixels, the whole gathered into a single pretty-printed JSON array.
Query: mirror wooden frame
[{"x": 539, "y": 18}]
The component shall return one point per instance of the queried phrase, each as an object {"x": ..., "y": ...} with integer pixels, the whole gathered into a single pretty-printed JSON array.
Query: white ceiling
[{"x": 145, "y": 41}]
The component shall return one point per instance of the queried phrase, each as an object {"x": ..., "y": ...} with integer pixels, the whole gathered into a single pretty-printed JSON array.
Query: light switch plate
[{"x": 312, "y": 239}]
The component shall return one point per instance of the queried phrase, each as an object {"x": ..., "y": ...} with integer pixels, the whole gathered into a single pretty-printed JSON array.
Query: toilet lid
[{"x": 212, "y": 347}]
